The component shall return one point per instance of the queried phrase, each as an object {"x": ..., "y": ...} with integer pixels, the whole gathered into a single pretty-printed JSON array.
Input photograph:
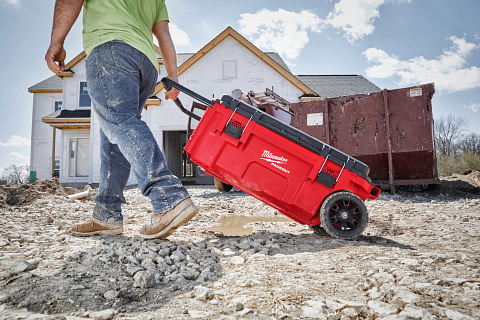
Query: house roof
[
  {"x": 332, "y": 86},
  {"x": 273, "y": 60},
  {"x": 68, "y": 119},
  {"x": 52, "y": 84},
  {"x": 68, "y": 114}
]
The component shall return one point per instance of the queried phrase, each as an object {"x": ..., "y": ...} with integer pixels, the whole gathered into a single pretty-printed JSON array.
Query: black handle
[
  {"x": 168, "y": 82},
  {"x": 180, "y": 105}
]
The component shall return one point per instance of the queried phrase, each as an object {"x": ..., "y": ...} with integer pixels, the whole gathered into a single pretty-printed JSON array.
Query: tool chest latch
[
  {"x": 327, "y": 176},
  {"x": 235, "y": 129}
]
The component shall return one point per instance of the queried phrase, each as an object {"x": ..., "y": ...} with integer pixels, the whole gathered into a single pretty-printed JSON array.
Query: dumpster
[
  {"x": 300, "y": 176},
  {"x": 399, "y": 148}
]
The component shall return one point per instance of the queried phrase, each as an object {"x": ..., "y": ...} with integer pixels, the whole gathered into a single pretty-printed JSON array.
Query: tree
[
  {"x": 470, "y": 143},
  {"x": 16, "y": 174},
  {"x": 448, "y": 131}
]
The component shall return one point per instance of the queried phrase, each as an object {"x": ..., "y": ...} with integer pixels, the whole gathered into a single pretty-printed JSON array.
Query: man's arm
[
  {"x": 65, "y": 14},
  {"x": 162, "y": 33}
]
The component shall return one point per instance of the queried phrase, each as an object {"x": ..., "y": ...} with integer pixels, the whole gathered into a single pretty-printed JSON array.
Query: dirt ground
[{"x": 419, "y": 258}]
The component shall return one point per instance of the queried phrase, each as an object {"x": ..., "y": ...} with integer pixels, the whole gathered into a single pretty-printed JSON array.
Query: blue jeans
[{"x": 120, "y": 80}]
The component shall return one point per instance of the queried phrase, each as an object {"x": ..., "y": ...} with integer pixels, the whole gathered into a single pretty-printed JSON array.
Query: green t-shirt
[{"x": 127, "y": 20}]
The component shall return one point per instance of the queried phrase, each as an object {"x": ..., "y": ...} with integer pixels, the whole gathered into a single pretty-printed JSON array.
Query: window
[
  {"x": 56, "y": 169},
  {"x": 229, "y": 69},
  {"x": 84, "y": 98},
  {"x": 79, "y": 157},
  {"x": 58, "y": 105}
]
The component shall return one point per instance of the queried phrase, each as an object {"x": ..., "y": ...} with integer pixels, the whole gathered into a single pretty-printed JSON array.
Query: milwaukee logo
[
  {"x": 275, "y": 160},
  {"x": 268, "y": 156}
]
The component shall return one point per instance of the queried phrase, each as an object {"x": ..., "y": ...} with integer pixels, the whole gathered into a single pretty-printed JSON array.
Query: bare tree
[
  {"x": 16, "y": 174},
  {"x": 470, "y": 142},
  {"x": 448, "y": 132}
]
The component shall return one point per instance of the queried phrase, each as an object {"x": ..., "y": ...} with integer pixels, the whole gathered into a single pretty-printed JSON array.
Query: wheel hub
[{"x": 344, "y": 215}]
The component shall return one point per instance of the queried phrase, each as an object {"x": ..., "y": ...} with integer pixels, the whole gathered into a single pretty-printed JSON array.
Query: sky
[{"x": 393, "y": 43}]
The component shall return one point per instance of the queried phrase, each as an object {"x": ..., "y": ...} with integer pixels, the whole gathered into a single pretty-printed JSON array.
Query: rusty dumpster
[{"x": 399, "y": 148}]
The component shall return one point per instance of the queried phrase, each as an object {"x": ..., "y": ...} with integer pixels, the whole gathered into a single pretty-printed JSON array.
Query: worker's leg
[
  {"x": 114, "y": 173},
  {"x": 120, "y": 79}
]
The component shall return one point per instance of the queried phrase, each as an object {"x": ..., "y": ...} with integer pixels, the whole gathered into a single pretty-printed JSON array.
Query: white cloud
[
  {"x": 474, "y": 107},
  {"x": 448, "y": 71},
  {"x": 282, "y": 31},
  {"x": 16, "y": 141},
  {"x": 356, "y": 17},
  {"x": 1, "y": 172},
  {"x": 13, "y": 1},
  {"x": 180, "y": 38},
  {"x": 18, "y": 156},
  {"x": 287, "y": 32}
]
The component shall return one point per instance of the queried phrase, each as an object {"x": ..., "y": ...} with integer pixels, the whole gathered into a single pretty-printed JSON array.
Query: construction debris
[{"x": 419, "y": 258}]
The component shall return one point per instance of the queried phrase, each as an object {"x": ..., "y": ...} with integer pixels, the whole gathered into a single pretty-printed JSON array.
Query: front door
[{"x": 178, "y": 161}]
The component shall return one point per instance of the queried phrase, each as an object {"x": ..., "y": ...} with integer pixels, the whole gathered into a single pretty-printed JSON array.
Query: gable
[{"x": 229, "y": 32}]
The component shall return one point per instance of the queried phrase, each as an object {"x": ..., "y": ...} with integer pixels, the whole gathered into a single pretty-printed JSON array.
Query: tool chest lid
[{"x": 297, "y": 136}]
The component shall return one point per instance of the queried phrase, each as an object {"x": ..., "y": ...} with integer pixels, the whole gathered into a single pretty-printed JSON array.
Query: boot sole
[
  {"x": 98, "y": 232},
  {"x": 179, "y": 221}
]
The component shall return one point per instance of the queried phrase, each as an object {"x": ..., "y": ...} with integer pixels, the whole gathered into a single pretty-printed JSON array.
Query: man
[{"x": 122, "y": 72}]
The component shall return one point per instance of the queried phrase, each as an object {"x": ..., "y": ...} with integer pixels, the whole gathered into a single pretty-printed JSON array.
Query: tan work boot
[
  {"x": 166, "y": 224},
  {"x": 93, "y": 226}
]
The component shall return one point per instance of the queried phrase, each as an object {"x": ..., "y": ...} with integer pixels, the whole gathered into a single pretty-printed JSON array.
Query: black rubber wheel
[
  {"x": 343, "y": 215},
  {"x": 318, "y": 229},
  {"x": 221, "y": 186}
]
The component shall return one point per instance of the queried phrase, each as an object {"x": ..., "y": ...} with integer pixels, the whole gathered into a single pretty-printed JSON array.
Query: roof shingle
[{"x": 332, "y": 86}]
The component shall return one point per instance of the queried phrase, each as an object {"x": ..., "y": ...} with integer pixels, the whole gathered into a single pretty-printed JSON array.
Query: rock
[
  {"x": 442, "y": 282},
  {"x": 77, "y": 287},
  {"x": 111, "y": 294},
  {"x": 317, "y": 310},
  {"x": 410, "y": 262},
  {"x": 203, "y": 293},
  {"x": 25, "y": 303},
  {"x": 238, "y": 306},
  {"x": 352, "y": 304},
  {"x": 102, "y": 315},
  {"x": 454, "y": 315},
  {"x": 245, "y": 312},
  {"x": 144, "y": 279},
  {"x": 195, "y": 314},
  {"x": 375, "y": 293},
  {"x": 382, "y": 308},
  {"x": 4, "y": 299},
  {"x": 334, "y": 305},
  {"x": 237, "y": 260},
  {"x": 19, "y": 267},
  {"x": 132, "y": 270},
  {"x": 37, "y": 316},
  {"x": 407, "y": 297},
  {"x": 412, "y": 312},
  {"x": 396, "y": 317}
]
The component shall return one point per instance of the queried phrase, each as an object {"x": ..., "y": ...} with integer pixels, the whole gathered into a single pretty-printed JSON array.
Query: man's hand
[
  {"x": 56, "y": 53},
  {"x": 173, "y": 93},
  {"x": 65, "y": 14}
]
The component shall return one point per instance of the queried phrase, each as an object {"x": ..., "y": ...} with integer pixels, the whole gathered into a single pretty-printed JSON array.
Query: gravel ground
[{"x": 418, "y": 259}]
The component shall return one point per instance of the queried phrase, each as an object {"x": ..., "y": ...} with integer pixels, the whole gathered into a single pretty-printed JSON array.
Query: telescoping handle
[{"x": 168, "y": 84}]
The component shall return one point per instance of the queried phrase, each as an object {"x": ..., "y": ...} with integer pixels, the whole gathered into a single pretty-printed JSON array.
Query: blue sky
[{"x": 393, "y": 43}]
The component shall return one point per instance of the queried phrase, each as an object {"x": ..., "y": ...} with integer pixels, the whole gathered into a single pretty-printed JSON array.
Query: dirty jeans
[{"x": 120, "y": 79}]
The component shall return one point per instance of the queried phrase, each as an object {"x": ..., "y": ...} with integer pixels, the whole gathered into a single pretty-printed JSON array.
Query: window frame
[
  {"x": 80, "y": 93},
  {"x": 55, "y": 102}
]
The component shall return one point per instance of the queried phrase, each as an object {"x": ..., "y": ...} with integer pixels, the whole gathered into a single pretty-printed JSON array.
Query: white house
[{"x": 62, "y": 108}]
